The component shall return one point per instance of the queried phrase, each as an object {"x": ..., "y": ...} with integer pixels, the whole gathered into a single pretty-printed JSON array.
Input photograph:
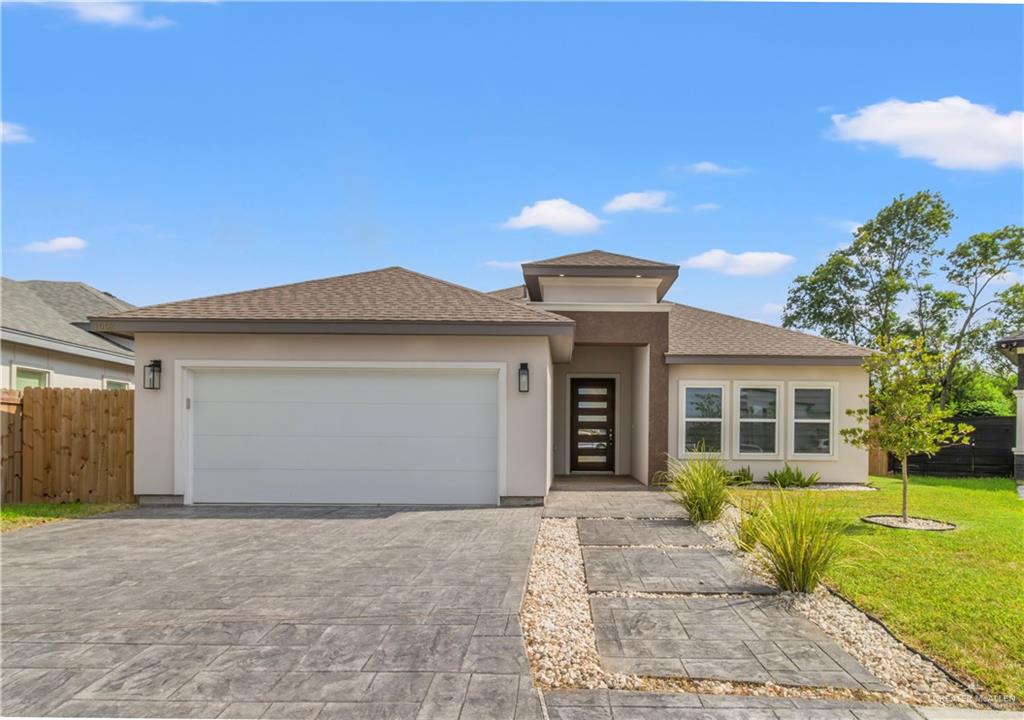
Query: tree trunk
[{"x": 903, "y": 467}]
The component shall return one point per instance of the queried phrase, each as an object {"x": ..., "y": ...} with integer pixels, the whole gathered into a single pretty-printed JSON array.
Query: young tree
[{"x": 902, "y": 417}]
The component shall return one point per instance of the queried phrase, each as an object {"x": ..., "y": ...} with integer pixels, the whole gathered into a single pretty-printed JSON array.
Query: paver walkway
[
  {"x": 640, "y": 532},
  {"x": 684, "y": 570},
  {"x": 612, "y": 504},
  {"x": 705, "y": 617},
  {"x": 251, "y": 612},
  {"x": 624, "y": 705}
]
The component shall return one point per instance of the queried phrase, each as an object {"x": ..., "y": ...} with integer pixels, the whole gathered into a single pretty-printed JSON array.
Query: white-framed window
[
  {"x": 812, "y": 434},
  {"x": 109, "y": 384},
  {"x": 29, "y": 377},
  {"x": 703, "y": 417},
  {"x": 758, "y": 414}
]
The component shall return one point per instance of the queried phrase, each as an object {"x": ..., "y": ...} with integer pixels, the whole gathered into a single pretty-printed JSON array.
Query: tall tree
[
  {"x": 903, "y": 418},
  {"x": 855, "y": 295}
]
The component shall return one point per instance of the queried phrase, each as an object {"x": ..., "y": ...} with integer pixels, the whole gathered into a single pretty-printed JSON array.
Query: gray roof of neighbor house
[
  {"x": 53, "y": 315},
  {"x": 390, "y": 296},
  {"x": 598, "y": 258},
  {"x": 696, "y": 335}
]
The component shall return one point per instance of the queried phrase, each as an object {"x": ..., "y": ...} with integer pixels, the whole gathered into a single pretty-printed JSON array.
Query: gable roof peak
[{"x": 597, "y": 258}]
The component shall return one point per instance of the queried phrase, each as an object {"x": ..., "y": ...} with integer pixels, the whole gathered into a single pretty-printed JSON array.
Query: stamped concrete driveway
[{"x": 276, "y": 612}]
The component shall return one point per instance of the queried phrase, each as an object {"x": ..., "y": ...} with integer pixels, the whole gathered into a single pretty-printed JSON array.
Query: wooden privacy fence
[{"x": 67, "y": 445}]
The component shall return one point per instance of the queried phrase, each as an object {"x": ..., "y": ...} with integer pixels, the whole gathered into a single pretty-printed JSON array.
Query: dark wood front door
[{"x": 592, "y": 425}]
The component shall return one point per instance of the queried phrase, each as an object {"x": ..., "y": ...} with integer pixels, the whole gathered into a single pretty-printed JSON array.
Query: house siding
[
  {"x": 527, "y": 414},
  {"x": 66, "y": 369}
]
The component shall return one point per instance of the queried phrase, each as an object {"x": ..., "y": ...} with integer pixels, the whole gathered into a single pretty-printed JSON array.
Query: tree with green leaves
[
  {"x": 858, "y": 293},
  {"x": 900, "y": 415},
  {"x": 855, "y": 295}
]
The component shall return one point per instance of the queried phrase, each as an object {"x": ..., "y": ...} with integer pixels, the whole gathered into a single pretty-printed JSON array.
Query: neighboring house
[
  {"x": 394, "y": 387},
  {"x": 1012, "y": 347},
  {"x": 45, "y": 340}
]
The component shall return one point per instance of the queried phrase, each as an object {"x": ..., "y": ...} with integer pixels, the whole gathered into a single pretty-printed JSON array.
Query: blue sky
[{"x": 205, "y": 148}]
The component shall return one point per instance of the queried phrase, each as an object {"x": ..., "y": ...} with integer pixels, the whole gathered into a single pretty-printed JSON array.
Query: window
[
  {"x": 30, "y": 378},
  {"x": 813, "y": 420},
  {"x": 757, "y": 419},
  {"x": 116, "y": 384},
  {"x": 702, "y": 425}
]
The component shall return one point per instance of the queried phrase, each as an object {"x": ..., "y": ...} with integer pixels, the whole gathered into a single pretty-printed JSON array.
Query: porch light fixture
[
  {"x": 524, "y": 377},
  {"x": 151, "y": 375}
]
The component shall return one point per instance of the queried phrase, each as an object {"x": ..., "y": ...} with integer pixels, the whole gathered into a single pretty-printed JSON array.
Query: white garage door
[{"x": 345, "y": 436}]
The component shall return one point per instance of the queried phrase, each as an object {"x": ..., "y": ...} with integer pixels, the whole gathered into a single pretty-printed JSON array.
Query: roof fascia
[{"x": 45, "y": 343}]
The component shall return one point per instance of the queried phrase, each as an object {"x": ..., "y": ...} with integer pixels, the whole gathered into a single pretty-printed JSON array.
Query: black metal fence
[{"x": 989, "y": 453}]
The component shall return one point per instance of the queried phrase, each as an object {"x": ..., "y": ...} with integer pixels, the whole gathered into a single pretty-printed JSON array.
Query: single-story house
[
  {"x": 393, "y": 387},
  {"x": 45, "y": 339},
  {"x": 1012, "y": 346}
]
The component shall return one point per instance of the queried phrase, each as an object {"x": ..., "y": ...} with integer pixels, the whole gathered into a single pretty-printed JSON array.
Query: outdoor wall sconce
[
  {"x": 524, "y": 377},
  {"x": 151, "y": 375}
]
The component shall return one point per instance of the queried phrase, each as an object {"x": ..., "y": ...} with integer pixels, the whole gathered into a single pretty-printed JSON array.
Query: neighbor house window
[
  {"x": 813, "y": 420},
  {"x": 757, "y": 419},
  {"x": 116, "y": 385},
  {"x": 702, "y": 418},
  {"x": 30, "y": 378}
]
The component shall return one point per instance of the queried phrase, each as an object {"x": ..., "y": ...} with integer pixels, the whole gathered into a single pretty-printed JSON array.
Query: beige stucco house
[
  {"x": 45, "y": 340},
  {"x": 394, "y": 387}
]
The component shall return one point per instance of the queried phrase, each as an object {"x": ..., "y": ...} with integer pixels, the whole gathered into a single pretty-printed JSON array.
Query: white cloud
[
  {"x": 14, "y": 133},
  {"x": 647, "y": 200},
  {"x": 772, "y": 309},
  {"x": 706, "y": 207},
  {"x": 1008, "y": 278},
  {"x": 116, "y": 13},
  {"x": 846, "y": 226},
  {"x": 57, "y": 244},
  {"x": 745, "y": 263},
  {"x": 506, "y": 264},
  {"x": 556, "y": 215},
  {"x": 951, "y": 133},
  {"x": 706, "y": 167}
]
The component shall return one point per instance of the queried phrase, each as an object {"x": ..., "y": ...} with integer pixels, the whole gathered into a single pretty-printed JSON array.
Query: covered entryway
[{"x": 343, "y": 435}]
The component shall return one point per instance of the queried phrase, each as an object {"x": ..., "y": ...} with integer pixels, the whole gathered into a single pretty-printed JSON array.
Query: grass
[
  {"x": 17, "y": 517},
  {"x": 956, "y": 596}
]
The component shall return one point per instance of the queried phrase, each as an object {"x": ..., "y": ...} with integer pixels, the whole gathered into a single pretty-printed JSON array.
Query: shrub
[
  {"x": 791, "y": 477},
  {"x": 747, "y": 525},
  {"x": 698, "y": 484},
  {"x": 743, "y": 476},
  {"x": 800, "y": 538}
]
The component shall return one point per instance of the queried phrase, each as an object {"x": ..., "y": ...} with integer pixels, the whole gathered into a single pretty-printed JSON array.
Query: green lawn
[
  {"x": 16, "y": 517},
  {"x": 956, "y": 596}
]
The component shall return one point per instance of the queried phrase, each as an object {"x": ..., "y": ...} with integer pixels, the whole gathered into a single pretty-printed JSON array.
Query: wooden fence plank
[{"x": 67, "y": 445}]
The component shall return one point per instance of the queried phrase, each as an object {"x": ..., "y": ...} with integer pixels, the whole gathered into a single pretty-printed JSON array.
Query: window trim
[
  {"x": 128, "y": 384},
  {"x": 725, "y": 387},
  {"x": 48, "y": 374},
  {"x": 833, "y": 388},
  {"x": 780, "y": 417}
]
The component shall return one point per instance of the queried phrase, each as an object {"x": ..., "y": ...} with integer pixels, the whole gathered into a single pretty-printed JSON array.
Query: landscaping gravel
[
  {"x": 896, "y": 521},
  {"x": 913, "y": 678}
]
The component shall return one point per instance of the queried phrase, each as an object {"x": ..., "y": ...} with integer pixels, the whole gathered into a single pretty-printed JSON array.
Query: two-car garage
[{"x": 427, "y": 435}]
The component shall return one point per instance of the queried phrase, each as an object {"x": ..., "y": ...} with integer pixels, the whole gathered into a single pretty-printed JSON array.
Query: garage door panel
[
  {"x": 344, "y": 436},
  {"x": 343, "y": 419},
  {"x": 345, "y": 453},
  {"x": 327, "y": 486},
  {"x": 355, "y": 386}
]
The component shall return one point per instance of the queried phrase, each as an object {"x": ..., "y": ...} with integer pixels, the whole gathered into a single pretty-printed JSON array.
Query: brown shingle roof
[
  {"x": 390, "y": 295},
  {"x": 516, "y": 293},
  {"x": 597, "y": 258},
  {"x": 695, "y": 332}
]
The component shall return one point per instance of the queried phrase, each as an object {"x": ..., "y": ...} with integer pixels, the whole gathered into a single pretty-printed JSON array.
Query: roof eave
[
  {"x": 690, "y": 359},
  {"x": 47, "y": 343},
  {"x": 667, "y": 275}
]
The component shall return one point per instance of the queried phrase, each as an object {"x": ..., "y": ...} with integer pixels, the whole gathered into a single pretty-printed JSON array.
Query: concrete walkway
[{"x": 249, "y": 612}]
